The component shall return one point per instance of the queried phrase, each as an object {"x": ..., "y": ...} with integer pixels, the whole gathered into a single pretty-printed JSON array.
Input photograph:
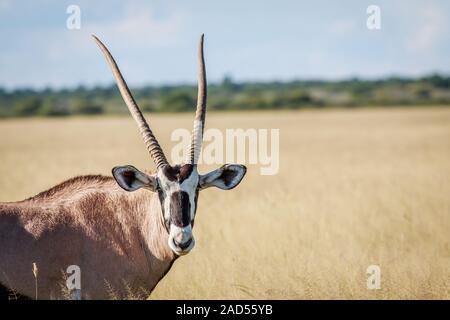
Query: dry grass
[{"x": 355, "y": 188}]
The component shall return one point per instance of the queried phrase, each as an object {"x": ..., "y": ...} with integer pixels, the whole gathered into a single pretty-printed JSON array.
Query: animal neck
[{"x": 155, "y": 234}]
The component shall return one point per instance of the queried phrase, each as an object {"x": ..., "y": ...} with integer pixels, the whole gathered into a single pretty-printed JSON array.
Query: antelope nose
[{"x": 183, "y": 245}]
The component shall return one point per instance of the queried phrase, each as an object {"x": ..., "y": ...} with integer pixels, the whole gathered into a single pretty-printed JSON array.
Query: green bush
[
  {"x": 27, "y": 107},
  {"x": 86, "y": 107},
  {"x": 51, "y": 107},
  {"x": 229, "y": 95},
  {"x": 178, "y": 101}
]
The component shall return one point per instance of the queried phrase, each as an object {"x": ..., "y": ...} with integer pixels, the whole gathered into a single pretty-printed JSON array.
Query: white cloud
[
  {"x": 139, "y": 27},
  {"x": 137, "y": 30},
  {"x": 68, "y": 53},
  {"x": 342, "y": 27},
  {"x": 430, "y": 27}
]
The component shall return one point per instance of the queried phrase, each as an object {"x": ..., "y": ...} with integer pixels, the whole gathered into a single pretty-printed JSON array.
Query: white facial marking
[
  {"x": 178, "y": 235},
  {"x": 190, "y": 186}
]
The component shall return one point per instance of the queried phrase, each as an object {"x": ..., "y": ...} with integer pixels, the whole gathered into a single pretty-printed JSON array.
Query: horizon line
[{"x": 7, "y": 89}]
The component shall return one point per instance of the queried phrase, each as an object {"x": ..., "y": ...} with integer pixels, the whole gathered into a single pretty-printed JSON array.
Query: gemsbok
[{"x": 120, "y": 240}]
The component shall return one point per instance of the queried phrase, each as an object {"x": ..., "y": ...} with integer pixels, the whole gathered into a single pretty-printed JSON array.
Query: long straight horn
[
  {"x": 199, "y": 122},
  {"x": 150, "y": 141}
]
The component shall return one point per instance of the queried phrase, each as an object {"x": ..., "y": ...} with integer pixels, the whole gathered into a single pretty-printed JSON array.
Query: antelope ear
[
  {"x": 130, "y": 179},
  {"x": 226, "y": 177}
]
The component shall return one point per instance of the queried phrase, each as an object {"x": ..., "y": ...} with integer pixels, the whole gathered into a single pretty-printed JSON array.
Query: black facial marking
[
  {"x": 181, "y": 209},
  {"x": 171, "y": 172},
  {"x": 185, "y": 172},
  {"x": 178, "y": 173},
  {"x": 180, "y": 212}
]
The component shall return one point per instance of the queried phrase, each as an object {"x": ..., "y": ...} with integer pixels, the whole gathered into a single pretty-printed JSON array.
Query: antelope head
[{"x": 178, "y": 185}]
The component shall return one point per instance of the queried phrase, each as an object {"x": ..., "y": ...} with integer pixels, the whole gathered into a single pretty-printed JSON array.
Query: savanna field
[{"x": 355, "y": 188}]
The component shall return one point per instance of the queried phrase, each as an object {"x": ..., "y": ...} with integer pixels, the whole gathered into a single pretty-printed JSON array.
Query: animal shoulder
[{"x": 77, "y": 184}]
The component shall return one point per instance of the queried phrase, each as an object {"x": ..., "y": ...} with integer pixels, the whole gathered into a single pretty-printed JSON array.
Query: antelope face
[
  {"x": 178, "y": 189},
  {"x": 177, "y": 186}
]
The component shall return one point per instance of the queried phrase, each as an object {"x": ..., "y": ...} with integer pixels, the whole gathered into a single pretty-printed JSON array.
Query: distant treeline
[{"x": 228, "y": 95}]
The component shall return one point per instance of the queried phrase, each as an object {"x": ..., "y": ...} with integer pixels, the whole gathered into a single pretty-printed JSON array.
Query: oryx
[{"x": 122, "y": 232}]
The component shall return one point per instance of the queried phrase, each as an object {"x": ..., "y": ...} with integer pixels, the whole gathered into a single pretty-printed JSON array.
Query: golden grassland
[{"x": 355, "y": 188}]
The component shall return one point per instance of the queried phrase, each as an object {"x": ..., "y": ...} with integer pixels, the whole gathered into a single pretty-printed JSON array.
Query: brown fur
[{"x": 117, "y": 238}]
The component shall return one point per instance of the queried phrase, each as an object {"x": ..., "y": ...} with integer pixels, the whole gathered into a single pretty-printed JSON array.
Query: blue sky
[{"x": 155, "y": 42}]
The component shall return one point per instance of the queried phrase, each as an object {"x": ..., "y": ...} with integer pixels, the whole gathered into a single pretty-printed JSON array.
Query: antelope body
[{"x": 124, "y": 233}]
